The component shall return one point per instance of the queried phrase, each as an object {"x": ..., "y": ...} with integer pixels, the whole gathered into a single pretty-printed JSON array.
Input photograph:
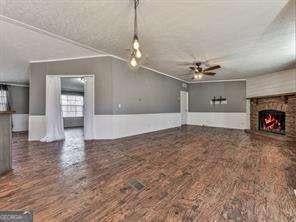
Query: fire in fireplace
[{"x": 272, "y": 121}]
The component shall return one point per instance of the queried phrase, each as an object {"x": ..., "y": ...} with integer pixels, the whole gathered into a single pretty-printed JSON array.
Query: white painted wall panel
[
  {"x": 133, "y": 124},
  {"x": 20, "y": 122},
  {"x": 272, "y": 84},
  {"x": 37, "y": 127},
  {"x": 103, "y": 126},
  {"x": 224, "y": 120}
]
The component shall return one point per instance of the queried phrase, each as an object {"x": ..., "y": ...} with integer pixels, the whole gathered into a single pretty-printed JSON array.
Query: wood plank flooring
[{"x": 189, "y": 174}]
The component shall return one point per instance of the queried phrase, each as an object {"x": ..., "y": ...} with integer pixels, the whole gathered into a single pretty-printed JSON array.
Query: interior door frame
[
  {"x": 183, "y": 112},
  {"x": 81, "y": 76}
]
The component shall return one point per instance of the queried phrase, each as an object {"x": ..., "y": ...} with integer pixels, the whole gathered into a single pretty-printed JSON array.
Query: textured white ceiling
[
  {"x": 20, "y": 45},
  {"x": 246, "y": 37}
]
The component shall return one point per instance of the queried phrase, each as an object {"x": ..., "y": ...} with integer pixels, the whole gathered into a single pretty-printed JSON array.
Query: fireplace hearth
[{"x": 272, "y": 121}]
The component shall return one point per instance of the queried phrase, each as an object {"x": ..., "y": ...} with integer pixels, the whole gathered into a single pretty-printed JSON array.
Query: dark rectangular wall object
[{"x": 5, "y": 142}]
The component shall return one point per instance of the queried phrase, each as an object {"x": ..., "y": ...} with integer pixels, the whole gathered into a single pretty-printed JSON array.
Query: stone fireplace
[{"x": 274, "y": 116}]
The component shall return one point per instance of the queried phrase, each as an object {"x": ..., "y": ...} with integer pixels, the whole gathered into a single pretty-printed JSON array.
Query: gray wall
[
  {"x": 19, "y": 99},
  {"x": 100, "y": 67},
  {"x": 142, "y": 91},
  {"x": 200, "y": 95}
]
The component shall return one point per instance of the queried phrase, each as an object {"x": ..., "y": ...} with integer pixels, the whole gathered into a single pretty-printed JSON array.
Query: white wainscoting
[
  {"x": 115, "y": 126},
  {"x": 224, "y": 120},
  {"x": 133, "y": 124},
  {"x": 20, "y": 122},
  {"x": 118, "y": 126},
  {"x": 103, "y": 127},
  {"x": 37, "y": 127}
]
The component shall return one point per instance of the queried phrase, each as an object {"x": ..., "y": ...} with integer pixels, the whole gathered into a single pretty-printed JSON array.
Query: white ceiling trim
[
  {"x": 65, "y": 59},
  {"x": 101, "y": 53},
  {"x": 226, "y": 80},
  {"x": 173, "y": 77}
]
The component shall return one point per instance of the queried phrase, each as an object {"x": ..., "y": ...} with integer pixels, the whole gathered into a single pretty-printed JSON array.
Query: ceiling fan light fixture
[
  {"x": 136, "y": 44},
  {"x": 138, "y": 54},
  {"x": 199, "y": 76}
]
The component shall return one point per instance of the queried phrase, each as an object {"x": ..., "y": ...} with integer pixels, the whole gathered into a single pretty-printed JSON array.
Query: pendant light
[
  {"x": 136, "y": 53},
  {"x": 134, "y": 62}
]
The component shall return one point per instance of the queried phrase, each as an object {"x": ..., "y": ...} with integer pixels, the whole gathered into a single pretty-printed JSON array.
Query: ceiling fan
[{"x": 199, "y": 71}]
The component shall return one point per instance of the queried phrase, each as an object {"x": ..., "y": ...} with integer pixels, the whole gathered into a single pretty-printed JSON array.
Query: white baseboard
[
  {"x": 224, "y": 120},
  {"x": 115, "y": 126},
  {"x": 20, "y": 122},
  {"x": 37, "y": 127}
]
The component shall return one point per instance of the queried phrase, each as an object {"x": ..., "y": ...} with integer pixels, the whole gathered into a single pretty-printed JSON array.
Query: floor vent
[{"x": 136, "y": 184}]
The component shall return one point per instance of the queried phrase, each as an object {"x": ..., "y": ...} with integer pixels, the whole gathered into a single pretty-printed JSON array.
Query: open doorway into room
[
  {"x": 72, "y": 106},
  {"x": 69, "y": 104}
]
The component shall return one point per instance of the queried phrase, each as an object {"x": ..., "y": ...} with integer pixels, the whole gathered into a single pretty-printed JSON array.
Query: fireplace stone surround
[{"x": 285, "y": 103}]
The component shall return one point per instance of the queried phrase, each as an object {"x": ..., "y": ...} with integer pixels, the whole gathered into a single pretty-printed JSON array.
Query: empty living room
[{"x": 148, "y": 110}]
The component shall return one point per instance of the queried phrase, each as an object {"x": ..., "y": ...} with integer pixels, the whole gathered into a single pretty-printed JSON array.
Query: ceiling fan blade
[
  {"x": 192, "y": 68},
  {"x": 212, "y": 68},
  {"x": 209, "y": 73}
]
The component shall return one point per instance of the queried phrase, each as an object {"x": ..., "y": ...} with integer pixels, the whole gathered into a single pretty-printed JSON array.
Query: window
[
  {"x": 3, "y": 99},
  {"x": 72, "y": 105}
]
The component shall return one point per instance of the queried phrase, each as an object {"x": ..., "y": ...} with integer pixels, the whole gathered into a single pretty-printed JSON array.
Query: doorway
[
  {"x": 183, "y": 107},
  {"x": 72, "y": 106}
]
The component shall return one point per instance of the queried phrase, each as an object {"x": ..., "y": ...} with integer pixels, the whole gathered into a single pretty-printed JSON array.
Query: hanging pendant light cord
[{"x": 136, "y": 19}]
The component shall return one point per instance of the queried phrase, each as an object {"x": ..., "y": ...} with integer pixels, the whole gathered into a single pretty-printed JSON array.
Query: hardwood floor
[{"x": 189, "y": 174}]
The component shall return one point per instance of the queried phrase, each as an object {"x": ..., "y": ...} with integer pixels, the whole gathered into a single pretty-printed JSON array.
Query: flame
[{"x": 271, "y": 123}]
